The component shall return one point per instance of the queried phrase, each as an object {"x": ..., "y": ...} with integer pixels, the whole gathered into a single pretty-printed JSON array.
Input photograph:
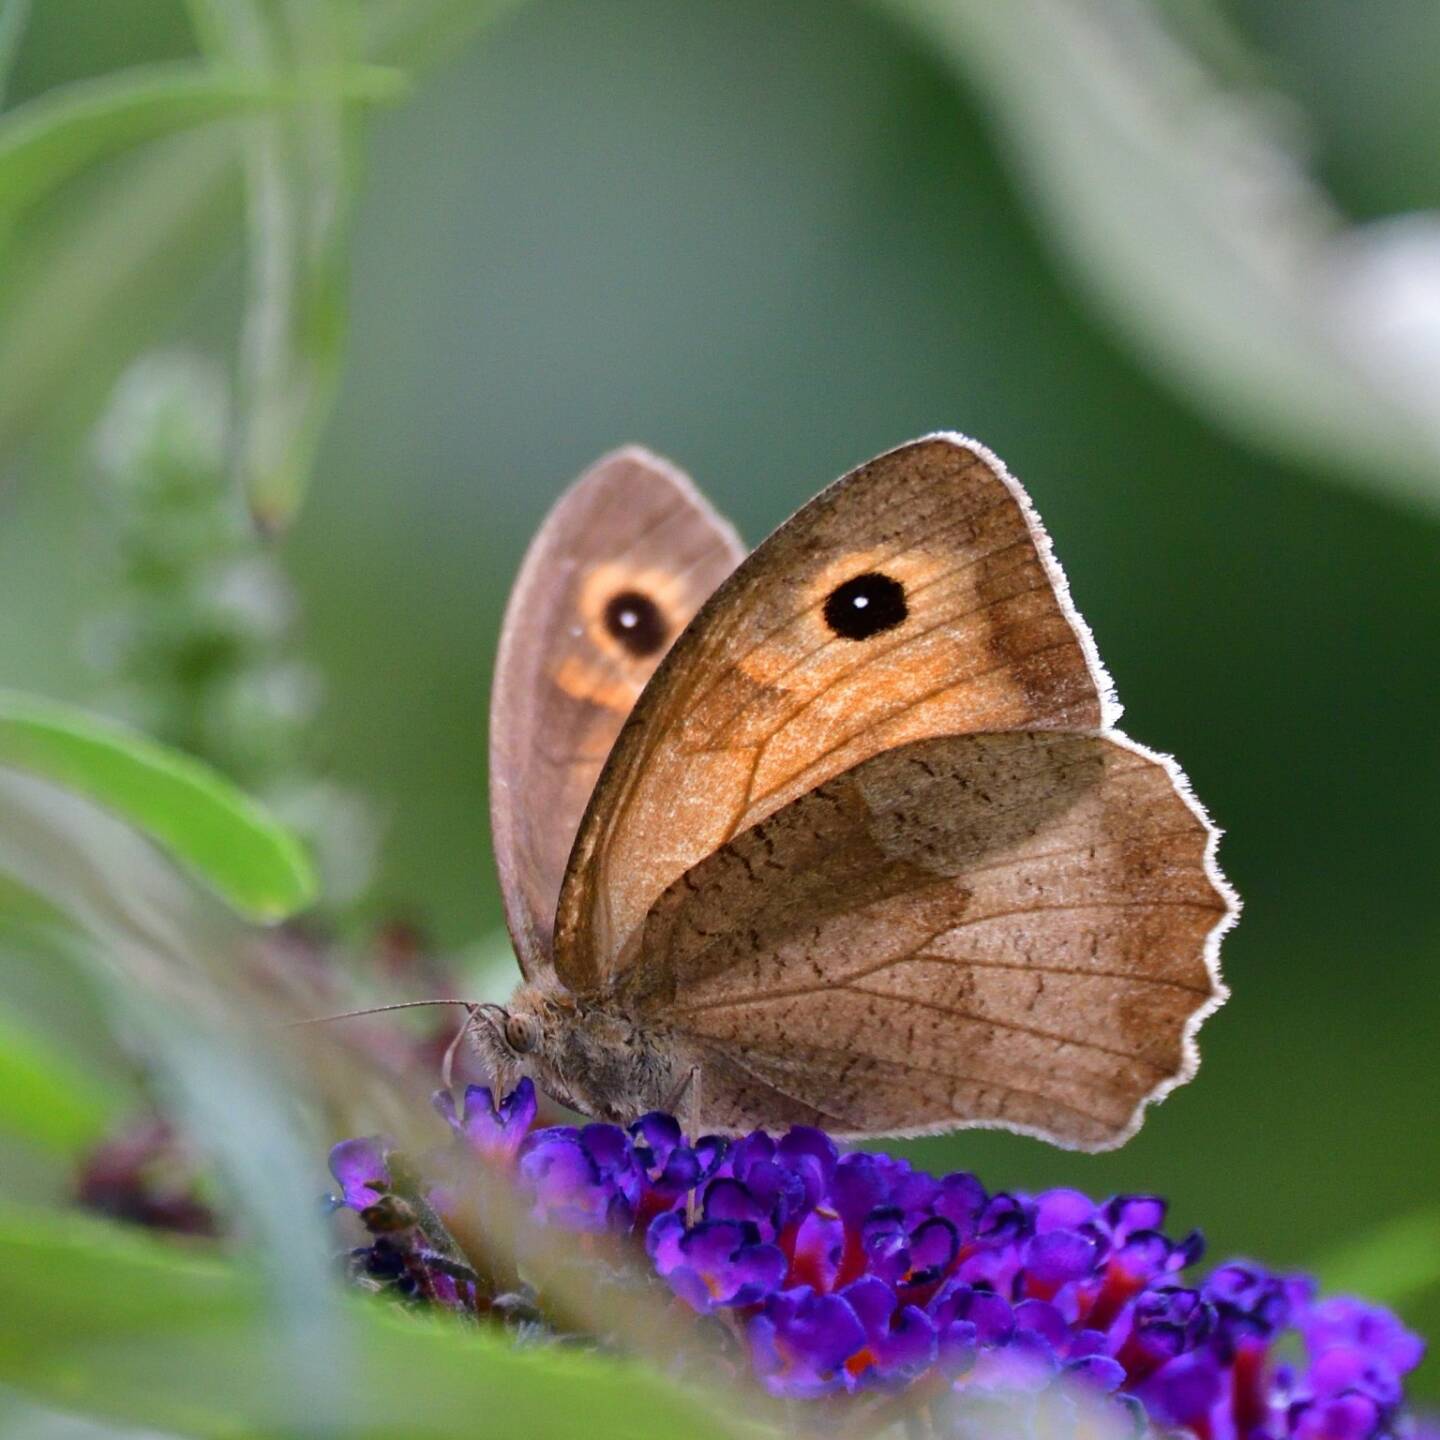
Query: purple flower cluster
[{"x": 856, "y": 1272}]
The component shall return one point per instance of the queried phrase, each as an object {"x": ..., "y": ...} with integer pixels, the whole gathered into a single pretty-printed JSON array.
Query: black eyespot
[
  {"x": 636, "y": 622},
  {"x": 865, "y": 605}
]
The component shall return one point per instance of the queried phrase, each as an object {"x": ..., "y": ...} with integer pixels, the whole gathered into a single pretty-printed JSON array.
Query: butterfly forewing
[
  {"x": 620, "y": 566},
  {"x": 915, "y": 597},
  {"x": 1006, "y": 929}
]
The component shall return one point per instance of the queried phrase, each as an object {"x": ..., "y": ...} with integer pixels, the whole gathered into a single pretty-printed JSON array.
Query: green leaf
[
  {"x": 108, "y": 272},
  {"x": 21, "y": 907},
  {"x": 13, "y": 15},
  {"x": 209, "y": 826},
  {"x": 300, "y": 179},
  {"x": 1396, "y": 1263},
  {"x": 50, "y": 139},
  {"x": 44, "y": 1098},
  {"x": 418, "y": 32},
  {"x": 1179, "y": 209},
  {"x": 121, "y": 258},
  {"x": 118, "y": 1325}
]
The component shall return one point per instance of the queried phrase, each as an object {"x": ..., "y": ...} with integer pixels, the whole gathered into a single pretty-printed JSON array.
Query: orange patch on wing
[{"x": 589, "y": 683}]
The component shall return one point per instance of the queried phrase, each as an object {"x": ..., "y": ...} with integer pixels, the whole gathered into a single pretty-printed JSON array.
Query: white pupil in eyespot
[
  {"x": 628, "y": 618},
  {"x": 861, "y": 601}
]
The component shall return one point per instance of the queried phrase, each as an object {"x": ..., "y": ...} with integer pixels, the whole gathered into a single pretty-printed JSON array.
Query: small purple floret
[
  {"x": 361, "y": 1171},
  {"x": 493, "y": 1132}
]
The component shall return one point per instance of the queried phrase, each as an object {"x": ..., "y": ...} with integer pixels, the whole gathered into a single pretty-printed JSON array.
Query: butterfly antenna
[{"x": 470, "y": 1005}]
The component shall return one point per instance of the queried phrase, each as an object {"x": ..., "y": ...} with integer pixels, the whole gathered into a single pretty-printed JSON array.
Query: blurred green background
[{"x": 770, "y": 238}]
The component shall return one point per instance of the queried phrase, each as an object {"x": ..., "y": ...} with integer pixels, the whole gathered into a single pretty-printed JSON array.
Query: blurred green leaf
[
  {"x": 299, "y": 169},
  {"x": 208, "y": 825},
  {"x": 55, "y": 136},
  {"x": 44, "y": 1098},
  {"x": 122, "y": 257},
  {"x": 13, "y": 14},
  {"x": 115, "y": 1324},
  {"x": 79, "y": 294},
  {"x": 20, "y": 906},
  {"x": 178, "y": 976},
  {"x": 1181, "y": 209},
  {"x": 414, "y": 32},
  {"x": 1396, "y": 1263},
  {"x": 19, "y": 1416}
]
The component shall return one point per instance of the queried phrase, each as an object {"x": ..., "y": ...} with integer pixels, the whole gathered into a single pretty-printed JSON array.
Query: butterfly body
[{"x": 840, "y": 833}]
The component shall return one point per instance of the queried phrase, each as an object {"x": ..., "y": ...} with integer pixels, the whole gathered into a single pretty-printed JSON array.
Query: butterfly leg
[
  {"x": 688, "y": 1092},
  {"x": 692, "y": 1127}
]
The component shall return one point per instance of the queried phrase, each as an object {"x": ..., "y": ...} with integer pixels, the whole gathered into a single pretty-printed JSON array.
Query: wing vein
[
  {"x": 1017, "y": 861},
  {"x": 984, "y": 1082},
  {"x": 760, "y": 997},
  {"x": 1034, "y": 1031},
  {"x": 1079, "y": 970},
  {"x": 1088, "y": 905}
]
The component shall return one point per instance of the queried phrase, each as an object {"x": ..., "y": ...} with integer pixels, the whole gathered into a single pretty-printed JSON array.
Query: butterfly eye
[
  {"x": 865, "y": 605},
  {"x": 636, "y": 622},
  {"x": 520, "y": 1034}
]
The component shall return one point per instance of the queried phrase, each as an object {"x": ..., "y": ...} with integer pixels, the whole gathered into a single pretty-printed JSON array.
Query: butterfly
[{"x": 839, "y": 833}]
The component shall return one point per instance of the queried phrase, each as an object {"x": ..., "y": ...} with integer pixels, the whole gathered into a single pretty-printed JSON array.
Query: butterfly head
[
  {"x": 521, "y": 1037},
  {"x": 592, "y": 1059},
  {"x": 503, "y": 1036}
]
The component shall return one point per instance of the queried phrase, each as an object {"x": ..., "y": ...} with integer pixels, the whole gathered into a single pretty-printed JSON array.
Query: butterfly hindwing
[
  {"x": 620, "y": 566},
  {"x": 1008, "y": 929},
  {"x": 915, "y": 597}
]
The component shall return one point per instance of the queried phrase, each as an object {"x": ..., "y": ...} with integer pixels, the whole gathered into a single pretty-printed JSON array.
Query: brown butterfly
[{"x": 840, "y": 833}]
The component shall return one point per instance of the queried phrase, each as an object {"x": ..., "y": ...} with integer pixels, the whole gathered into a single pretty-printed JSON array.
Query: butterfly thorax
[{"x": 589, "y": 1055}]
